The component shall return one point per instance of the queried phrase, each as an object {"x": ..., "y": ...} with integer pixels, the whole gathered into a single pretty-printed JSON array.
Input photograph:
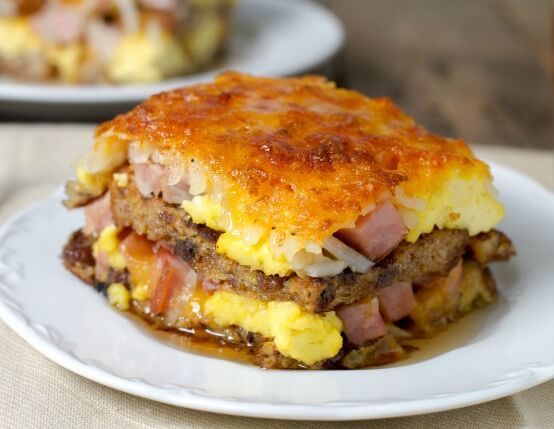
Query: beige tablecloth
[{"x": 36, "y": 393}]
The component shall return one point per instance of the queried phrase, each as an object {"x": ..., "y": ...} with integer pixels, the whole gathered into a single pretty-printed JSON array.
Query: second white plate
[{"x": 72, "y": 325}]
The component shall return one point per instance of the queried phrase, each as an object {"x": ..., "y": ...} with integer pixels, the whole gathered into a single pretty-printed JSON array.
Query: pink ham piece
[
  {"x": 396, "y": 301},
  {"x": 98, "y": 215},
  {"x": 171, "y": 275},
  {"x": 149, "y": 178},
  {"x": 362, "y": 321},
  {"x": 59, "y": 23},
  {"x": 376, "y": 233}
]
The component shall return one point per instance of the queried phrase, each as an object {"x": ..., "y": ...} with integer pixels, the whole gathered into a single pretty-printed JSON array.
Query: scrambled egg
[
  {"x": 203, "y": 209},
  {"x": 67, "y": 60},
  {"x": 118, "y": 296},
  {"x": 139, "y": 58},
  {"x": 109, "y": 243},
  {"x": 16, "y": 38},
  {"x": 302, "y": 335},
  {"x": 121, "y": 179},
  {"x": 95, "y": 183},
  {"x": 258, "y": 256}
]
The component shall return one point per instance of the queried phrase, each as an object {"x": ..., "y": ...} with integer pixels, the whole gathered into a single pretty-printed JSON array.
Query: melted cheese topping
[{"x": 304, "y": 336}]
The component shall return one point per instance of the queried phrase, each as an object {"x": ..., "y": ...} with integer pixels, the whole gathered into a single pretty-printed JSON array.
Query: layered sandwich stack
[{"x": 304, "y": 225}]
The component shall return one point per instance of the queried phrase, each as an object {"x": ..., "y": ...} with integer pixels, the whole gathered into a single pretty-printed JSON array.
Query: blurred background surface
[
  {"x": 480, "y": 69},
  {"x": 475, "y": 69}
]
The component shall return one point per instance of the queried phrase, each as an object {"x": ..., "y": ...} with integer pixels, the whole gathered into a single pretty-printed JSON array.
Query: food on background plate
[
  {"x": 114, "y": 41},
  {"x": 302, "y": 225}
]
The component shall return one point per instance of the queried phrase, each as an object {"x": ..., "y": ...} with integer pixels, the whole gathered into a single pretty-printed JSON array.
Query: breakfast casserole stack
[
  {"x": 115, "y": 41},
  {"x": 303, "y": 225}
]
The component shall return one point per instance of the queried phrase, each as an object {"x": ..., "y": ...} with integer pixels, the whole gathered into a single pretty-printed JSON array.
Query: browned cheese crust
[{"x": 323, "y": 153}]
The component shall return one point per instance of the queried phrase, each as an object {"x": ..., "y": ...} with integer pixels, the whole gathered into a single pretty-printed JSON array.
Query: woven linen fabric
[{"x": 36, "y": 393}]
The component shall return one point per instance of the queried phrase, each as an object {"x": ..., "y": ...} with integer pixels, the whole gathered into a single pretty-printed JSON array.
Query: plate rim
[
  {"x": 87, "y": 95},
  {"x": 183, "y": 397}
]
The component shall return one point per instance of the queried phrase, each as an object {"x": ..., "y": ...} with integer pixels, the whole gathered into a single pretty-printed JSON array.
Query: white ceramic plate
[
  {"x": 269, "y": 38},
  {"x": 73, "y": 325}
]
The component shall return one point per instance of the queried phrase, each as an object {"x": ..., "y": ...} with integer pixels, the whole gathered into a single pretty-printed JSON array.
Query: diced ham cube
[
  {"x": 396, "y": 301},
  {"x": 171, "y": 274},
  {"x": 376, "y": 233},
  {"x": 362, "y": 321},
  {"x": 98, "y": 215}
]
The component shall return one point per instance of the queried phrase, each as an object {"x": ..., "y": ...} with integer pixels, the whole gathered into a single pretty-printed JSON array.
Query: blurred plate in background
[{"x": 269, "y": 37}]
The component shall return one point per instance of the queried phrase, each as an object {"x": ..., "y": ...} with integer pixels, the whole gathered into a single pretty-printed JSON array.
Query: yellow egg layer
[
  {"x": 203, "y": 209},
  {"x": 304, "y": 336},
  {"x": 109, "y": 243},
  {"x": 258, "y": 256},
  {"x": 460, "y": 200}
]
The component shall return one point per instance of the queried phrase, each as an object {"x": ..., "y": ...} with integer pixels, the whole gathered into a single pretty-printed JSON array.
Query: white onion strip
[
  {"x": 324, "y": 268},
  {"x": 356, "y": 261},
  {"x": 413, "y": 203}
]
